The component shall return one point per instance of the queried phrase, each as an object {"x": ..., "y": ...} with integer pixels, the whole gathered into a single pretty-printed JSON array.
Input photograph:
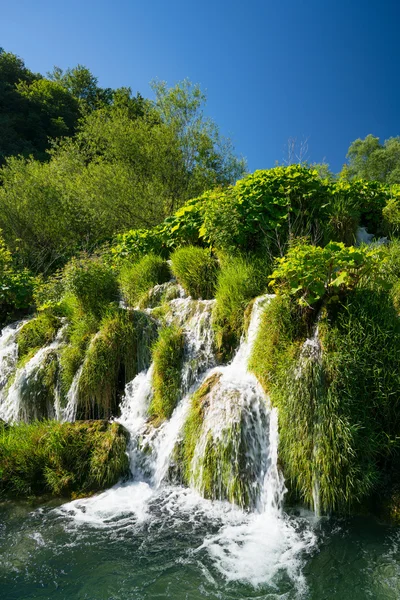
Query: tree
[
  {"x": 82, "y": 84},
  {"x": 368, "y": 159},
  {"x": 209, "y": 157}
]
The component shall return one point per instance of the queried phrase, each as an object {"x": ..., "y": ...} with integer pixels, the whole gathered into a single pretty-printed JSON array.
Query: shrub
[
  {"x": 310, "y": 273},
  {"x": 196, "y": 270},
  {"x": 61, "y": 458},
  {"x": 167, "y": 354},
  {"x": 93, "y": 283},
  {"x": 239, "y": 281},
  {"x": 38, "y": 332},
  {"x": 137, "y": 279},
  {"x": 135, "y": 244},
  {"x": 391, "y": 213},
  {"x": 265, "y": 209}
]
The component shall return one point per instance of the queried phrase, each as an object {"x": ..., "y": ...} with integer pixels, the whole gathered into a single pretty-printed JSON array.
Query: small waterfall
[
  {"x": 68, "y": 414},
  {"x": 20, "y": 402},
  {"x": 8, "y": 353}
]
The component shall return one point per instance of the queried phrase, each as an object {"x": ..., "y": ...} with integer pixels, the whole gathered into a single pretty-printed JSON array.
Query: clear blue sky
[{"x": 326, "y": 70}]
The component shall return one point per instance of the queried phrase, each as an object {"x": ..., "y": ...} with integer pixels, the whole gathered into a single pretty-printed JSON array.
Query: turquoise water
[{"x": 170, "y": 546}]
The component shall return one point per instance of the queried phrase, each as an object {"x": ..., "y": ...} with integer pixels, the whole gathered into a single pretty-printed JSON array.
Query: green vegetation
[
  {"x": 167, "y": 355},
  {"x": 69, "y": 459},
  {"x": 240, "y": 280},
  {"x": 38, "y": 332},
  {"x": 115, "y": 354},
  {"x": 138, "y": 278},
  {"x": 93, "y": 284},
  {"x": 196, "y": 270}
]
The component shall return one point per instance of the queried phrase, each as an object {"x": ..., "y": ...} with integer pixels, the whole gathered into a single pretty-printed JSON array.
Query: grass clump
[
  {"x": 338, "y": 397},
  {"x": 116, "y": 353},
  {"x": 167, "y": 354},
  {"x": 196, "y": 269},
  {"x": 38, "y": 332},
  {"x": 239, "y": 281},
  {"x": 62, "y": 459},
  {"x": 138, "y": 278},
  {"x": 92, "y": 283}
]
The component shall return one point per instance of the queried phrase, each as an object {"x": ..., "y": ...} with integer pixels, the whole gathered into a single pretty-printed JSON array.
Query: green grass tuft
[
  {"x": 196, "y": 270},
  {"x": 167, "y": 356},
  {"x": 62, "y": 459},
  {"x": 38, "y": 332},
  {"x": 138, "y": 278}
]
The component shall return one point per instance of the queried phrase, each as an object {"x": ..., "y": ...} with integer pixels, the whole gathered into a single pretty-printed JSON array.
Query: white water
[
  {"x": 12, "y": 406},
  {"x": 248, "y": 546},
  {"x": 8, "y": 353}
]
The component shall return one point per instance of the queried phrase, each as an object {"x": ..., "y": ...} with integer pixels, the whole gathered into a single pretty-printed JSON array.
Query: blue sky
[{"x": 327, "y": 71}]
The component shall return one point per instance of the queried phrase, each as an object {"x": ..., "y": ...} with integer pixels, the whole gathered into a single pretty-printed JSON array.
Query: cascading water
[
  {"x": 250, "y": 545},
  {"x": 19, "y": 402},
  {"x": 8, "y": 353}
]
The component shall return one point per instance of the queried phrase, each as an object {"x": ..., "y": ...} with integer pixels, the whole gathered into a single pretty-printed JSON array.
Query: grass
[
  {"x": 62, "y": 459},
  {"x": 339, "y": 413},
  {"x": 239, "y": 281},
  {"x": 116, "y": 353},
  {"x": 167, "y": 354},
  {"x": 138, "y": 278},
  {"x": 196, "y": 269}
]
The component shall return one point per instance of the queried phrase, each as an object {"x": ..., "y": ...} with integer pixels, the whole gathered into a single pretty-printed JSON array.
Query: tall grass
[
  {"x": 38, "y": 332},
  {"x": 196, "y": 269},
  {"x": 339, "y": 411},
  {"x": 138, "y": 278},
  {"x": 62, "y": 459},
  {"x": 239, "y": 281},
  {"x": 167, "y": 354}
]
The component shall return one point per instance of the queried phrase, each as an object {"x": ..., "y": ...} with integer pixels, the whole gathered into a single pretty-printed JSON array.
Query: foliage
[
  {"x": 93, "y": 283},
  {"x": 391, "y": 213},
  {"x": 62, "y": 459},
  {"x": 265, "y": 209},
  {"x": 239, "y": 281},
  {"x": 138, "y": 278},
  {"x": 167, "y": 355},
  {"x": 310, "y": 273},
  {"x": 136, "y": 243},
  {"x": 371, "y": 160},
  {"x": 39, "y": 331},
  {"x": 16, "y": 286},
  {"x": 196, "y": 269}
]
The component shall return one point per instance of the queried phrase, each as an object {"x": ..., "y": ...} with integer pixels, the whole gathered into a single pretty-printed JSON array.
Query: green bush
[
  {"x": 196, "y": 270},
  {"x": 167, "y": 354},
  {"x": 310, "y": 273},
  {"x": 239, "y": 281},
  {"x": 135, "y": 244},
  {"x": 93, "y": 283},
  {"x": 62, "y": 459},
  {"x": 38, "y": 332},
  {"x": 137, "y": 279},
  {"x": 265, "y": 209}
]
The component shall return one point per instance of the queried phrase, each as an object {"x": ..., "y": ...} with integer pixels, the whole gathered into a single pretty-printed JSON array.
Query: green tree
[
  {"x": 369, "y": 159},
  {"x": 208, "y": 156}
]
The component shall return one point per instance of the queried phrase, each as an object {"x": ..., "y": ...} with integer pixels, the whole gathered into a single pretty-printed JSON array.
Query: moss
[
  {"x": 38, "y": 332},
  {"x": 138, "y": 278},
  {"x": 167, "y": 354},
  {"x": 193, "y": 424},
  {"x": 68, "y": 459},
  {"x": 117, "y": 352},
  {"x": 196, "y": 269}
]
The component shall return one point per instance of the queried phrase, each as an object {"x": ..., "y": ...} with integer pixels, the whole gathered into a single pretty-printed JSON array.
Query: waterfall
[
  {"x": 23, "y": 400},
  {"x": 8, "y": 354}
]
